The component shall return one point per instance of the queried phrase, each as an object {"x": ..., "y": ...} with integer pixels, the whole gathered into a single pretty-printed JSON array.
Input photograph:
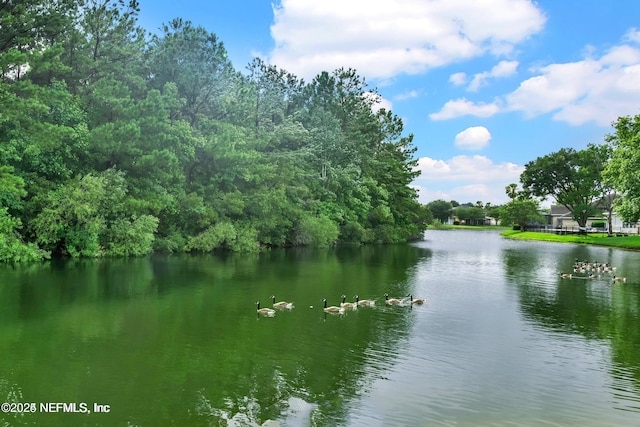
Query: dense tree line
[{"x": 117, "y": 142}]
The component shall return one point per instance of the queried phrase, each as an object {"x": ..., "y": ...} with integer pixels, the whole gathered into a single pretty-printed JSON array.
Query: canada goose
[
  {"x": 265, "y": 311},
  {"x": 417, "y": 300},
  {"x": 347, "y": 305},
  {"x": 281, "y": 304},
  {"x": 365, "y": 302},
  {"x": 593, "y": 276},
  {"x": 619, "y": 279},
  {"x": 392, "y": 301},
  {"x": 333, "y": 308},
  {"x": 566, "y": 276}
]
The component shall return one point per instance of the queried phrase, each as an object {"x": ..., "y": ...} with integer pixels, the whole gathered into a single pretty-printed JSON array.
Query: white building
[{"x": 559, "y": 217}]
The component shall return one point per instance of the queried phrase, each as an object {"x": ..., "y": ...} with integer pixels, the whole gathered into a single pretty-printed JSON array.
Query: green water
[{"x": 176, "y": 340}]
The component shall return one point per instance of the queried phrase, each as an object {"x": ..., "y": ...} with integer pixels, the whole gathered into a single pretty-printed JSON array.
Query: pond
[{"x": 502, "y": 340}]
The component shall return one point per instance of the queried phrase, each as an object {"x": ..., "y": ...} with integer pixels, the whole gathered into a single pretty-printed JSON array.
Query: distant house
[
  {"x": 560, "y": 217},
  {"x": 489, "y": 220}
]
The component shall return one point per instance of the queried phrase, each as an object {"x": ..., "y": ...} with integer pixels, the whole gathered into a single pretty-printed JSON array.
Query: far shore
[
  {"x": 631, "y": 242},
  {"x": 467, "y": 227}
]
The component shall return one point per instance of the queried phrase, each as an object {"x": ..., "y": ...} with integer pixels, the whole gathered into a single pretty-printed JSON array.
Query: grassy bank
[{"x": 629, "y": 242}]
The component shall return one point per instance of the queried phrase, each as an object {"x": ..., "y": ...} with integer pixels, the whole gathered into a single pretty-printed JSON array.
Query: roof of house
[{"x": 559, "y": 210}]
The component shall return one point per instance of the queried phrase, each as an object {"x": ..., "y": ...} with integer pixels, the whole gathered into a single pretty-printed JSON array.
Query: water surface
[{"x": 176, "y": 340}]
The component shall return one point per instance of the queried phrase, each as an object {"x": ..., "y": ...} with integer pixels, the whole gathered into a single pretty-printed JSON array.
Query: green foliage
[
  {"x": 170, "y": 241},
  {"x": 11, "y": 188},
  {"x": 196, "y": 62},
  {"x": 71, "y": 221},
  {"x": 224, "y": 236},
  {"x": 598, "y": 239},
  {"x": 85, "y": 218},
  {"x": 315, "y": 231},
  {"x": 623, "y": 171},
  {"x": 214, "y": 237},
  {"x": 12, "y": 248},
  {"x": 381, "y": 215},
  {"x": 573, "y": 178},
  {"x": 520, "y": 212},
  {"x": 495, "y": 212},
  {"x": 246, "y": 239},
  {"x": 470, "y": 215},
  {"x": 511, "y": 190},
  {"x": 112, "y": 144},
  {"x": 441, "y": 210},
  {"x": 131, "y": 237},
  {"x": 353, "y": 232}
]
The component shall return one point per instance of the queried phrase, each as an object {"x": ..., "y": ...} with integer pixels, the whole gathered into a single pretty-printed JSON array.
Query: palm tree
[{"x": 511, "y": 190}]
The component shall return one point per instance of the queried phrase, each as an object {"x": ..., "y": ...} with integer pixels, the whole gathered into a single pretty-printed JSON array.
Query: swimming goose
[
  {"x": 347, "y": 305},
  {"x": 619, "y": 279},
  {"x": 365, "y": 302},
  {"x": 566, "y": 276},
  {"x": 265, "y": 311},
  {"x": 392, "y": 301},
  {"x": 281, "y": 304},
  {"x": 333, "y": 308},
  {"x": 417, "y": 300}
]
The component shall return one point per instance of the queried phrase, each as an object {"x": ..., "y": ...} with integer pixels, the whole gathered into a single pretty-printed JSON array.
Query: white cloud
[
  {"x": 593, "y": 89},
  {"x": 502, "y": 69},
  {"x": 462, "y": 194},
  {"x": 598, "y": 89},
  {"x": 383, "y": 39},
  {"x": 474, "y": 192},
  {"x": 407, "y": 95},
  {"x": 378, "y": 101},
  {"x": 426, "y": 195},
  {"x": 473, "y": 138},
  {"x": 465, "y": 179},
  {"x": 458, "y": 79},
  {"x": 462, "y": 107},
  {"x": 633, "y": 36},
  {"x": 475, "y": 168}
]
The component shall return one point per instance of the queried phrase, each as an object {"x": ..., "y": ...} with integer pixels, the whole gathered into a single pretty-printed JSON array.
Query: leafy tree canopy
[
  {"x": 440, "y": 209},
  {"x": 572, "y": 178},
  {"x": 116, "y": 143},
  {"x": 623, "y": 171}
]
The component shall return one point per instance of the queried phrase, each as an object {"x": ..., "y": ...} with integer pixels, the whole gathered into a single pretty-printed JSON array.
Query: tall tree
[
  {"x": 440, "y": 209},
  {"x": 273, "y": 95},
  {"x": 104, "y": 42},
  {"x": 573, "y": 178},
  {"x": 520, "y": 212},
  {"x": 196, "y": 61},
  {"x": 622, "y": 170},
  {"x": 511, "y": 190}
]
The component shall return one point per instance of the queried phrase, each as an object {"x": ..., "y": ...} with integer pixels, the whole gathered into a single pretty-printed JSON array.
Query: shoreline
[{"x": 628, "y": 242}]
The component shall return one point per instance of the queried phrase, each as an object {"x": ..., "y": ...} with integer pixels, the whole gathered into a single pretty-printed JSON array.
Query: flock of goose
[
  {"x": 593, "y": 270},
  {"x": 344, "y": 305}
]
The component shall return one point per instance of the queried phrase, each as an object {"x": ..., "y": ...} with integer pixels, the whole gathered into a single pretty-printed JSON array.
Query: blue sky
[{"x": 484, "y": 86}]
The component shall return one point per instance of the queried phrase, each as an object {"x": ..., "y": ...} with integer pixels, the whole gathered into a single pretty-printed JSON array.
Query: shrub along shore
[{"x": 627, "y": 242}]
